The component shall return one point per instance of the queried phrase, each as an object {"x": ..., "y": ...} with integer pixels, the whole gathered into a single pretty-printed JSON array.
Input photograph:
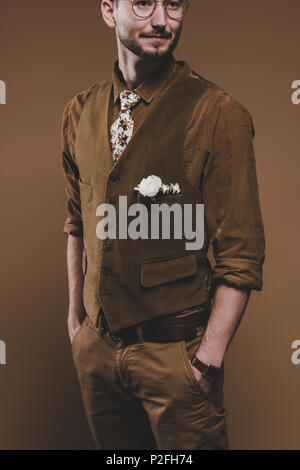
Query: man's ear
[{"x": 107, "y": 9}]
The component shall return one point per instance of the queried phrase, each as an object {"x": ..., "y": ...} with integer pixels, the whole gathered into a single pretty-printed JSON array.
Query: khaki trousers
[{"x": 145, "y": 395}]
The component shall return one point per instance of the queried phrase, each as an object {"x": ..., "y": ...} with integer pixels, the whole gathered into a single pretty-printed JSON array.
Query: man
[{"x": 150, "y": 321}]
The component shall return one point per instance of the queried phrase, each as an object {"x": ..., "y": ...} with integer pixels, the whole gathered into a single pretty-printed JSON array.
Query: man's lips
[
  {"x": 159, "y": 36},
  {"x": 156, "y": 38}
]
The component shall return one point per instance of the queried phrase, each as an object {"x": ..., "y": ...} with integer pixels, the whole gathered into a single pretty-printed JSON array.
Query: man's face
[{"x": 136, "y": 34}]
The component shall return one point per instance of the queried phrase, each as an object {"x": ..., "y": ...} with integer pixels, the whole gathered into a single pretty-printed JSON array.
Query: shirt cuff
[
  {"x": 73, "y": 227},
  {"x": 239, "y": 273}
]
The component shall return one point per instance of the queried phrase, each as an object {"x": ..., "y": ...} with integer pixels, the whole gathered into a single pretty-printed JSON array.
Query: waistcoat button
[
  {"x": 112, "y": 200},
  {"x": 104, "y": 270},
  {"x": 113, "y": 177},
  {"x": 107, "y": 248}
]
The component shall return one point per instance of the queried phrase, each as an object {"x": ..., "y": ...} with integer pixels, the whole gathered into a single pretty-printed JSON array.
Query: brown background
[{"x": 49, "y": 52}]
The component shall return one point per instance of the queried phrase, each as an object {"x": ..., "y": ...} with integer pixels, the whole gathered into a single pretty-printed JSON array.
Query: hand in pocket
[
  {"x": 74, "y": 326},
  {"x": 205, "y": 384}
]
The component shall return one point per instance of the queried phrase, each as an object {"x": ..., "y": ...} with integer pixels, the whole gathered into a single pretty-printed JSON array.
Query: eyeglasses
[{"x": 174, "y": 10}]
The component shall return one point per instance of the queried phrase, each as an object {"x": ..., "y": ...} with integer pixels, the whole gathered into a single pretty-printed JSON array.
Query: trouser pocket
[{"x": 188, "y": 349}]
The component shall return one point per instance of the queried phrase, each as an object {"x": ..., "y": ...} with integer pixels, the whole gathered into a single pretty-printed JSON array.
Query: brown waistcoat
[{"x": 137, "y": 280}]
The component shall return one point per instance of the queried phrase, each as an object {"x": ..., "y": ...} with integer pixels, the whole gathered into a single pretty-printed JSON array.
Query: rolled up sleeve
[
  {"x": 231, "y": 200},
  {"x": 73, "y": 222}
]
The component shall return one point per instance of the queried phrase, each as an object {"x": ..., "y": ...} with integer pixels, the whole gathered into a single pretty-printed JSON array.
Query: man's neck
[{"x": 135, "y": 70}]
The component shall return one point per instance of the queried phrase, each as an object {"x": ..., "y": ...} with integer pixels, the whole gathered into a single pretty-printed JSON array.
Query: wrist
[
  {"x": 207, "y": 370},
  {"x": 211, "y": 358},
  {"x": 76, "y": 305},
  {"x": 76, "y": 314}
]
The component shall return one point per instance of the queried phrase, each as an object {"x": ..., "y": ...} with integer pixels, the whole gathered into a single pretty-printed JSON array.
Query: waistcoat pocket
[
  {"x": 84, "y": 261},
  {"x": 160, "y": 271},
  {"x": 86, "y": 191}
]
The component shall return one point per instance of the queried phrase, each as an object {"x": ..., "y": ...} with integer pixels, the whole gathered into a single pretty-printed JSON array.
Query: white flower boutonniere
[
  {"x": 149, "y": 187},
  {"x": 152, "y": 185}
]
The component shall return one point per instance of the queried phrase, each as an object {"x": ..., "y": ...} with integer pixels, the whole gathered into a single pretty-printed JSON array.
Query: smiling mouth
[{"x": 156, "y": 36}]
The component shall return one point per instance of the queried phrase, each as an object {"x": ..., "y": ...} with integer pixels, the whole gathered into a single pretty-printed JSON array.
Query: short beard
[{"x": 132, "y": 46}]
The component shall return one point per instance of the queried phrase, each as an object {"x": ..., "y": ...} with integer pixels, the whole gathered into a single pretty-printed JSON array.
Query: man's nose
[{"x": 159, "y": 17}]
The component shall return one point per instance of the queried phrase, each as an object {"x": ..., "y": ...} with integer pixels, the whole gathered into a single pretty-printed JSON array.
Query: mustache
[{"x": 163, "y": 35}]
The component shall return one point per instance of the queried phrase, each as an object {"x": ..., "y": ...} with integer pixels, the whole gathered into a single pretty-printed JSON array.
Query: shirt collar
[{"x": 151, "y": 85}]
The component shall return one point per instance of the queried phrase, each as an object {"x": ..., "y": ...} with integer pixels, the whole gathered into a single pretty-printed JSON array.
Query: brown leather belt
[{"x": 175, "y": 327}]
